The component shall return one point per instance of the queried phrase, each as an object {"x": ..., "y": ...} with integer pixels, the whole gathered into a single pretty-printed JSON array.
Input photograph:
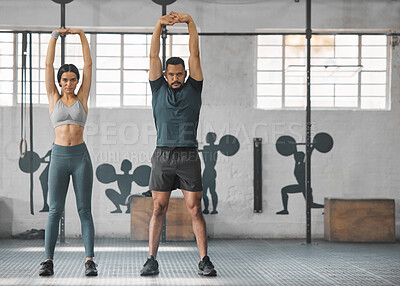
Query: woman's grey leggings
[{"x": 66, "y": 161}]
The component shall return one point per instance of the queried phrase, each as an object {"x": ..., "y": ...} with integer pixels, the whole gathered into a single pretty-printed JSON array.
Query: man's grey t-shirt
[{"x": 176, "y": 112}]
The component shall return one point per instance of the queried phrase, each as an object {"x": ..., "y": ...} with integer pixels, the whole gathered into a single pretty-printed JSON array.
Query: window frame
[
  {"x": 92, "y": 39},
  {"x": 388, "y": 71}
]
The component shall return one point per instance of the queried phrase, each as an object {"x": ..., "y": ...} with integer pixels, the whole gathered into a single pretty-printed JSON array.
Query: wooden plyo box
[
  {"x": 178, "y": 219},
  {"x": 359, "y": 220}
]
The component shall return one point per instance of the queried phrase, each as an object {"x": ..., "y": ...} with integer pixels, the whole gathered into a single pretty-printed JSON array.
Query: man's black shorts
[{"x": 175, "y": 168}]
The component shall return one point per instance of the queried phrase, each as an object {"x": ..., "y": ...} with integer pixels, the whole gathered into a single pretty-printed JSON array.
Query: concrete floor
[{"x": 238, "y": 262}]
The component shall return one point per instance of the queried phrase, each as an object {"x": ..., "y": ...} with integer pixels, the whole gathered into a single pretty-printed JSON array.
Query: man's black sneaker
[
  {"x": 150, "y": 267},
  {"x": 90, "y": 268},
  {"x": 47, "y": 268},
  {"x": 206, "y": 268}
]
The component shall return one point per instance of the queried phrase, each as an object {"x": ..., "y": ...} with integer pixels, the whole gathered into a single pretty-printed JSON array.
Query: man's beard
[{"x": 176, "y": 88}]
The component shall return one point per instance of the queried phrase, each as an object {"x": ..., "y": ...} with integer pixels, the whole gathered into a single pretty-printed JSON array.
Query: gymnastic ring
[{"x": 22, "y": 146}]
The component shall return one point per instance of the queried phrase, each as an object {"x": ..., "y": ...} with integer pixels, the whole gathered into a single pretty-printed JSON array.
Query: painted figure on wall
[
  {"x": 44, "y": 181},
  {"x": 228, "y": 145},
  {"x": 286, "y": 146},
  {"x": 106, "y": 174},
  {"x": 25, "y": 166}
]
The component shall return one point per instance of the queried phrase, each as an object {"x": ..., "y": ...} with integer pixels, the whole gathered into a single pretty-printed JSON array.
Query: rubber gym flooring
[{"x": 238, "y": 262}]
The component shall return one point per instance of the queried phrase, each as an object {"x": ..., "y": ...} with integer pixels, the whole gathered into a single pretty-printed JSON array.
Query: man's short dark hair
[{"x": 174, "y": 61}]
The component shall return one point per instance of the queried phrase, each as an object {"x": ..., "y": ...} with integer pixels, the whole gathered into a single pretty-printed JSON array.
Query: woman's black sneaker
[
  {"x": 206, "y": 268},
  {"x": 47, "y": 268},
  {"x": 150, "y": 267},
  {"x": 90, "y": 268}
]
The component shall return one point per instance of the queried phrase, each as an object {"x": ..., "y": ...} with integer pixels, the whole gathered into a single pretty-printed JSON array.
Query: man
[{"x": 175, "y": 162}]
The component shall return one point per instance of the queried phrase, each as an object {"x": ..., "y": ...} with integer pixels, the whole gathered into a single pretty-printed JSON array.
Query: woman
[{"x": 69, "y": 156}]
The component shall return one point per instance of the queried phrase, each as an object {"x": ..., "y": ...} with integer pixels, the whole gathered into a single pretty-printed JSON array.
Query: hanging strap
[{"x": 23, "y": 144}]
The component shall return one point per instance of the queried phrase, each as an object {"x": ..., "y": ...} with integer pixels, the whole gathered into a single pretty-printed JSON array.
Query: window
[
  {"x": 347, "y": 71},
  {"x": 6, "y": 68},
  {"x": 40, "y": 43},
  {"x": 120, "y": 66}
]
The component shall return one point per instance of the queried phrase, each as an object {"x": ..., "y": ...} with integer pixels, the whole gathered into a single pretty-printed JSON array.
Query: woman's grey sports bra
[{"x": 74, "y": 114}]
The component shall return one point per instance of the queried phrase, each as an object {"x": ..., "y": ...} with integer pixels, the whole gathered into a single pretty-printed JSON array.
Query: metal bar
[
  {"x": 31, "y": 121},
  {"x": 164, "y": 230},
  {"x": 15, "y": 72},
  {"x": 23, "y": 68},
  {"x": 164, "y": 38},
  {"x": 62, "y": 220},
  {"x": 257, "y": 175},
  {"x": 214, "y": 33},
  {"x": 308, "y": 123},
  {"x": 164, "y": 56}
]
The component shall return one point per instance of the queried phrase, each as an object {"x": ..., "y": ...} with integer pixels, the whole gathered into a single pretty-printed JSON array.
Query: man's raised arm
[
  {"x": 195, "y": 71},
  {"x": 155, "y": 63}
]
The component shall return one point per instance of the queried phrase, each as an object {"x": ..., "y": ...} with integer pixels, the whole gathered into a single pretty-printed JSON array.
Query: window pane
[
  {"x": 322, "y": 52},
  {"x": 373, "y": 90},
  {"x": 322, "y": 102},
  {"x": 269, "y": 77},
  {"x": 6, "y": 37},
  {"x": 295, "y": 101},
  {"x": 346, "y": 90},
  {"x": 78, "y": 61},
  {"x": 346, "y": 52},
  {"x": 374, "y": 64},
  {"x": 295, "y": 62},
  {"x": 108, "y": 63},
  {"x": 296, "y": 40},
  {"x": 135, "y": 51},
  {"x": 108, "y": 75},
  {"x": 295, "y": 52},
  {"x": 269, "y": 52},
  {"x": 322, "y": 40},
  {"x": 7, "y": 48},
  {"x": 295, "y": 80},
  {"x": 346, "y": 102},
  {"x": 35, "y": 98},
  {"x": 373, "y": 52},
  {"x": 136, "y": 63},
  {"x": 108, "y": 88},
  {"x": 73, "y": 49},
  {"x": 109, "y": 50},
  {"x": 373, "y": 40},
  {"x": 373, "y": 77},
  {"x": 295, "y": 90},
  {"x": 135, "y": 39},
  {"x": 269, "y": 102},
  {"x": 180, "y": 51},
  {"x": 136, "y": 76},
  {"x": 346, "y": 40},
  {"x": 269, "y": 89},
  {"x": 6, "y": 86},
  {"x": 373, "y": 102},
  {"x": 6, "y": 74},
  {"x": 108, "y": 39},
  {"x": 180, "y": 39},
  {"x": 322, "y": 90},
  {"x": 269, "y": 64},
  {"x": 135, "y": 88},
  {"x": 270, "y": 40}
]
